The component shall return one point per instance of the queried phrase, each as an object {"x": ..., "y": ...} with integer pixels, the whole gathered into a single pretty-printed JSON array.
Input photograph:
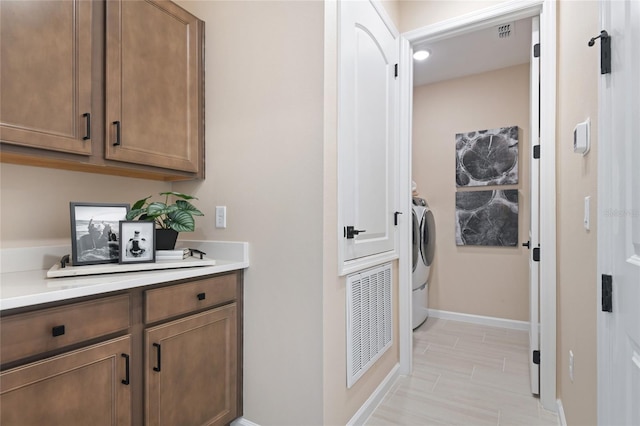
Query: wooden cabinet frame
[{"x": 35, "y": 147}]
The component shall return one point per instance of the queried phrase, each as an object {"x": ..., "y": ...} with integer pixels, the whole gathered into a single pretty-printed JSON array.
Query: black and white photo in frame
[
  {"x": 138, "y": 241},
  {"x": 95, "y": 232},
  {"x": 487, "y": 157}
]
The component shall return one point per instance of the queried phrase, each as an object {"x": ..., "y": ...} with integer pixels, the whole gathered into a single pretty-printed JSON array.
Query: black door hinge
[
  {"x": 536, "y": 357},
  {"x": 536, "y": 50},
  {"x": 395, "y": 72},
  {"x": 607, "y": 293},
  {"x": 536, "y": 151},
  {"x": 536, "y": 254}
]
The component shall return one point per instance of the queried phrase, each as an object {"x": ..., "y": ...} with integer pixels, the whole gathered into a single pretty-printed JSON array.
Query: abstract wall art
[
  {"x": 487, "y": 157},
  {"x": 487, "y": 218}
]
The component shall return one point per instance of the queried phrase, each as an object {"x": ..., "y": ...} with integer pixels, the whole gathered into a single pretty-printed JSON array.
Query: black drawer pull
[
  {"x": 159, "y": 363},
  {"x": 202, "y": 296},
  {"x": 126, "y": 365},
  {"x": 58, "y": 330},
  {"x": 87, "y": 136},
  {"x": 117, "y": 142}
]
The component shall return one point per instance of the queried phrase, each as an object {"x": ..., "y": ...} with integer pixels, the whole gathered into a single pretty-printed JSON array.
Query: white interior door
[
  {"x": 367, "y": 129},
  {"x": 534, "y": 217},
  {"x": 619, "y": 217}
]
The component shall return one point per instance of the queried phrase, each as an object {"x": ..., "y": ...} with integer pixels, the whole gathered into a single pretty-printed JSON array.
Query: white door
[
  {"x": 619, "y": 217},
  {"x": 534, "y": 216},
  {"x": 367, "y": 89}
]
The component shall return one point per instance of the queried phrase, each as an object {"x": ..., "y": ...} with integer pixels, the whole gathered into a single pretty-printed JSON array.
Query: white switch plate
[
  {"x": 587, "y": 215},
  {"x": 571, "y": 366},
  {"x": 221, "y": 216}
]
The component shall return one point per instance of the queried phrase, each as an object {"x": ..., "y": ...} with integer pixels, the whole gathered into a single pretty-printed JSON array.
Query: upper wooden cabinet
[
  {"x": 153, "y": 89},
  {"x": 112, "y": 87},
  {"x": 46, "y": 49}
]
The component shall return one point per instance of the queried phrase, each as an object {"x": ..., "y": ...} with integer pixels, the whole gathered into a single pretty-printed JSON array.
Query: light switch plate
[
  {"x": 587, "y": 215},
  {"x": 221, "y": 216}
]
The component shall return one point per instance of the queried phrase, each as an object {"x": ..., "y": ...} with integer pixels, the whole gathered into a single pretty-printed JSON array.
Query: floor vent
[{"x": 369, "y": 319}]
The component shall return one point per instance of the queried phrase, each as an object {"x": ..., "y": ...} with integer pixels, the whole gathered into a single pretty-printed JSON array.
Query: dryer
[{"x": 423, "y": 242}]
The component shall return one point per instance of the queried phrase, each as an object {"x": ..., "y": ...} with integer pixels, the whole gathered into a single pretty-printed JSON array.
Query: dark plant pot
[{"x": 166, "y": 239}]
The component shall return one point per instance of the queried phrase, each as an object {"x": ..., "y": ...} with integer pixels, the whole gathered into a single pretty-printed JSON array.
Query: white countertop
[{"x": 24, "y": 282}]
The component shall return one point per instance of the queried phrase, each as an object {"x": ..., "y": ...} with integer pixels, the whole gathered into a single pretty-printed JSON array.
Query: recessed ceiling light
[{"x": 421, "y": 55}]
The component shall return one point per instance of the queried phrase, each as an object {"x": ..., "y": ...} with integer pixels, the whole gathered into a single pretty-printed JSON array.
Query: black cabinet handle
[
  {"x": 527, "y": 244},
  {"x": 117, "y": 142},
  {"x": 159, "y": 362},
  {"x": 58, "y": 330},
  {"x": 126, "y": 365},
  {"x": 202, "y": 296},
  {"x": 87, "y": 136}
]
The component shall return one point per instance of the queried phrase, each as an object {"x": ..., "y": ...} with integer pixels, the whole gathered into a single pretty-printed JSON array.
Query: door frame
[{"x": 507, "y": 11}]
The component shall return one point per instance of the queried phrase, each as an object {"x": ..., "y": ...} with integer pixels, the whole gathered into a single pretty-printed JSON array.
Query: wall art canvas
[
  {"x": 487, "y": 218},
  {"x": 487, "y": 157}
]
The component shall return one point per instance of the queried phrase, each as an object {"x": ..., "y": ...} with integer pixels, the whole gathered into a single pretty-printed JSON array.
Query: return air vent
[
  {"x": 506, "y": 30},
  {"x": 369, "y": 319}
]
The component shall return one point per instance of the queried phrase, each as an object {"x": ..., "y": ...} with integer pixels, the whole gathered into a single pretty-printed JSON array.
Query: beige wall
[
  {"x": 578, "y": 74},
  {"x": 264, "y": 101},
  {"x": 490, "y": 281},
  {"x": 34, "y": 202},
  {"x": 419, "y": 13}
]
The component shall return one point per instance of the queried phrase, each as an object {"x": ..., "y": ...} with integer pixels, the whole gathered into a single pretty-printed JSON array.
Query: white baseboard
[
  {"x": 369, "y": 406},
  {"x": 241, "y": 421},
  {"x": 562, "y": 420},
  {"x": 480, "y": 319}
]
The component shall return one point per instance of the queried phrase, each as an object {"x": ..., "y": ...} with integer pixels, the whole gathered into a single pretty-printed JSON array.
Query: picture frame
[
  {"x": 138, "y": 241},
  {"x": 95, "y": 232}
]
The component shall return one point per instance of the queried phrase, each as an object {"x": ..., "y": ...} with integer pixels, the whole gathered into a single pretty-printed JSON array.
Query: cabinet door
[
  {"x": 191, "y": 370},
  {"x": 367, "y": 131},
  {"x": 83, "y": 387},
  {"x": 153, "y": 85},
  {"x": 45, "y": 74}
]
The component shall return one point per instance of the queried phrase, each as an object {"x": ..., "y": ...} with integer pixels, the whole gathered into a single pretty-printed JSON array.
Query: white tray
[{"x": 109, "y": 268}]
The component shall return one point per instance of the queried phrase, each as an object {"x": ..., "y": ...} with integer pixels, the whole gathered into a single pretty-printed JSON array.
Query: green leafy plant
[{"x": 178, "y": 216}]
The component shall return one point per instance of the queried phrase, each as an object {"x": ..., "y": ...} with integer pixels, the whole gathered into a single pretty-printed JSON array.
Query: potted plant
[{"x": 170, "y": 219}]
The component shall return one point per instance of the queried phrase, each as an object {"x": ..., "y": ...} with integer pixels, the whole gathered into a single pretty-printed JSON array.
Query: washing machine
[{"x": 423, "y": 241}]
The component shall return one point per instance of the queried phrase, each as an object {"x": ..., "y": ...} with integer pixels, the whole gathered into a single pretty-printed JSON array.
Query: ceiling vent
[{"x": 506, "y": 30}]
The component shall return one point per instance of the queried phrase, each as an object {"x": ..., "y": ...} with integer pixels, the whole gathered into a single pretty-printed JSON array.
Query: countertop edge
[{"x": 31, "y": 288}]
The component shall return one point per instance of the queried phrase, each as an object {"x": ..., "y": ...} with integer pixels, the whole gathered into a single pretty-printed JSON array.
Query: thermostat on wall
[{"x": 582, "y": 137}]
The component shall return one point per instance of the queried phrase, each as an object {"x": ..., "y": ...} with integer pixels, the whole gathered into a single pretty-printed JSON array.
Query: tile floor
[{"x": 464, "y": 374}]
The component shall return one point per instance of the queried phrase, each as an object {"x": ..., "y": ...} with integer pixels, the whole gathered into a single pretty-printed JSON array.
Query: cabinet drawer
[
  {"x": 168, "y": 302},
  {"x": 32, "y": 333}
]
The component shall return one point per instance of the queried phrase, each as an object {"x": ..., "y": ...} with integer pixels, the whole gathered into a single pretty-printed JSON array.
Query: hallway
[{"x": 464, "y": 374}]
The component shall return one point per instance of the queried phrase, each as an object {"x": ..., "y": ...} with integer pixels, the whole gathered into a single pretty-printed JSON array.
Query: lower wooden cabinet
[
  {"x": 88, "y": 386},
  {"x": 167, "y": 354},
  {"x": 191, "y": 370}
]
